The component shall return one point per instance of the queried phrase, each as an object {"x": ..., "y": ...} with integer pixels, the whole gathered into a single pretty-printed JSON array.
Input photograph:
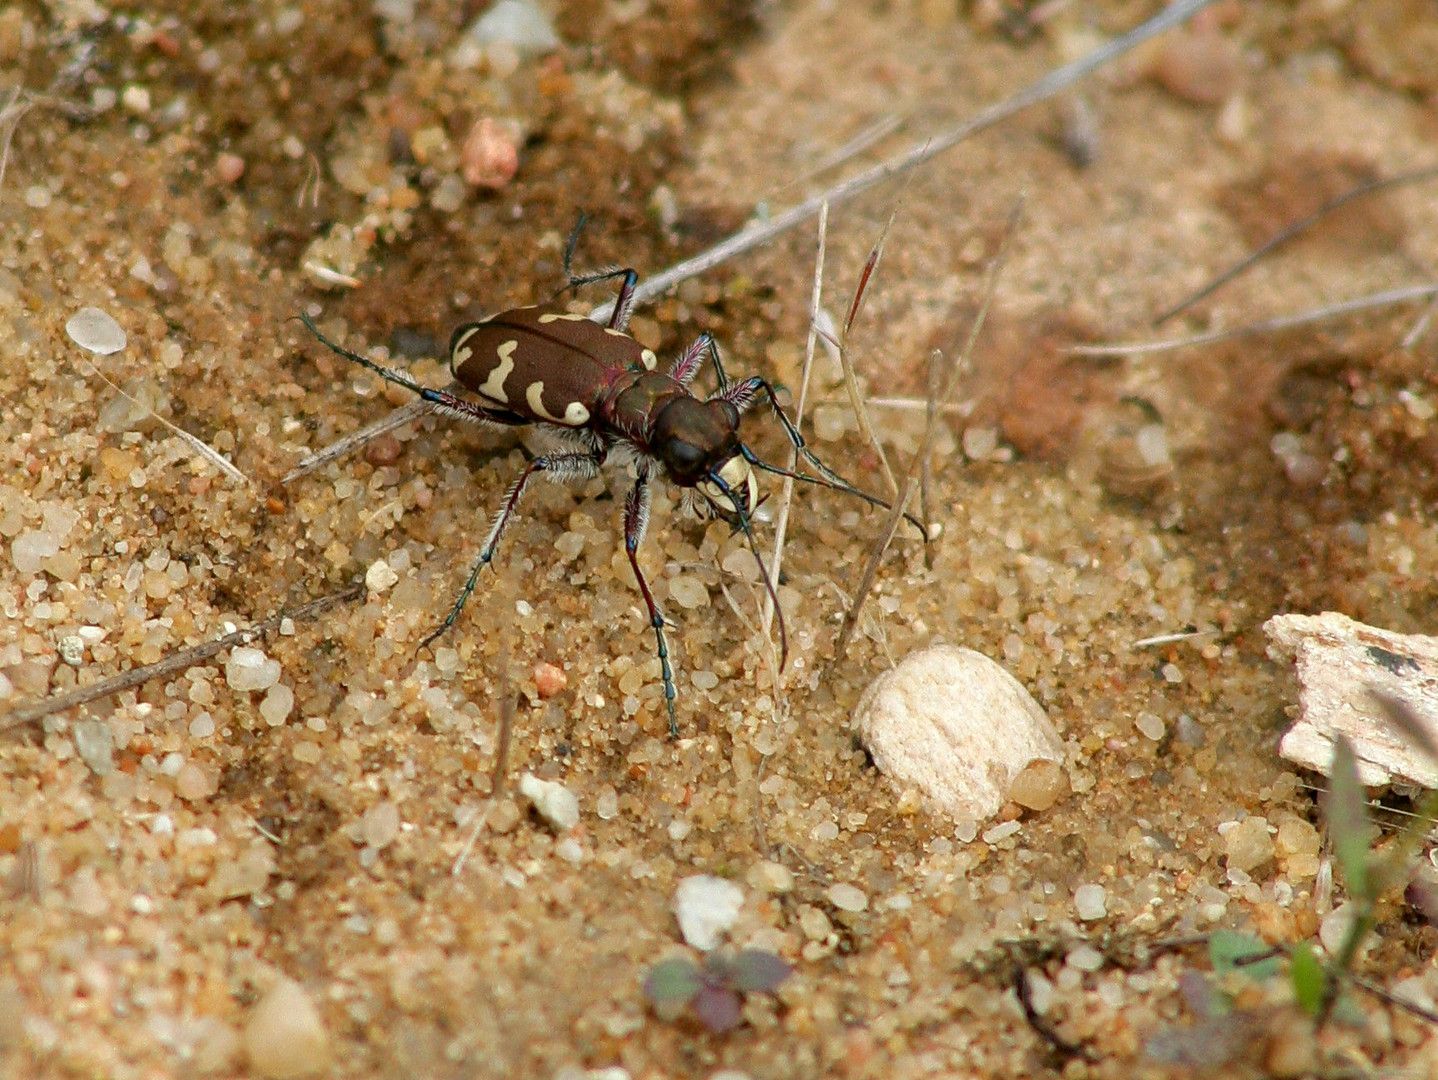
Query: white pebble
[
  {"x": 1084, "y": 958},
  {"x": 286, "y": 1035},
  {"x": 555, "y": 803},
  {"x": 202, "y": 726},
  {"x": 957, "y": 726},
  {"x": 688, "y": 591},
  {"x": 71, "y": 648},
  {"x": 1090, "y": 902},
  {"x": 279, "y": 702},
  {"x": 96, "y": 330},
  {"x": 847, "y": 897},
  {"x": 95, "y": 744},
  {"x": 707, "y": 908},
  {"x": 380, "y": 825},
  {"x": 1149, "y": 726},
  {"x": 30, "y": 549},
  {"x": 250, "y": 669},
  {"x": 517, "y": 23},
  {"x": 380, "y": 577}
]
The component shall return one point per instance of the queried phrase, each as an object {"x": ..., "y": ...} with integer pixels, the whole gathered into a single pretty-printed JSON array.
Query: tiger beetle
[{"x": 596, "y": 390}]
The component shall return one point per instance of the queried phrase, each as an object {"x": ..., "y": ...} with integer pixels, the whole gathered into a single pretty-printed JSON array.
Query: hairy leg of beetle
[
  {"x": 559, "y": 467},
  {"x": 636, "y": 521}
]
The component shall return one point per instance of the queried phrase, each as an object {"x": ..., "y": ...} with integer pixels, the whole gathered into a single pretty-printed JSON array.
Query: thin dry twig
[
  {"x": 10, "y": 117},
  {"x": 1268, "y": 326},
  {"x": 846, "y": 360},
  {"x": 951, "y": 383},
  {"x": 198, "y": 445},
  {"x": 1054, "y": 82},
  {"x": 175, "y": 662},
  {"x": 406, "y": 413},
  {"x": 1286, "y": 234},
  {"x": 786, "y": 490}
]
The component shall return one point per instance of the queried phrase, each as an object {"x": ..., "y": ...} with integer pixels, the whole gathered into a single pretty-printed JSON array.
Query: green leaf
[
  {"x": 1229, "y": 950},
  {"x": 1347, "y": 811},
  {"x": 671, "y": 985},
  {"x": 1310, "y": 981}
]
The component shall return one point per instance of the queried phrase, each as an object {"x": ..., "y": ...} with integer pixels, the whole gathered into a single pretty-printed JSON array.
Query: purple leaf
[{"x": 717, "y": 1008}]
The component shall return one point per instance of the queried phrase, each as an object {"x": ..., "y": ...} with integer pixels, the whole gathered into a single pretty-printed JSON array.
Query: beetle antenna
[
  {"x": 846, "y": 488},
  {"x": 744, "y": 524}
]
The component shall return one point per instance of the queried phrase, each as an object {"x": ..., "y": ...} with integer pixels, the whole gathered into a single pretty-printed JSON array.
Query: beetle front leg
[
  {"x": 570, "y": 466},
  {"x": 636, "y": 521}
]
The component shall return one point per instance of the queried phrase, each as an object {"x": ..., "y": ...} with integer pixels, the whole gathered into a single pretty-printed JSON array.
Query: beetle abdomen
[{"x": 544, "y": 363}]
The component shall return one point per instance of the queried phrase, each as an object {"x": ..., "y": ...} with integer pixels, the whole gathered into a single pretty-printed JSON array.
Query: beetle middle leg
[
  {"x": 636, "y": 521},
  {"x": 574, "y": 465}
]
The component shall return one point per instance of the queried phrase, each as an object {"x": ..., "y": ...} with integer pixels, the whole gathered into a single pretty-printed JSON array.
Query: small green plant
[
  {"x": 715, "y": 988},
  {"x": 1222, "y": 1033}
]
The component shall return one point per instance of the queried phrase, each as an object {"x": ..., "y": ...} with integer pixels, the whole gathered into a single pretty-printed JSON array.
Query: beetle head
[{"x": 698, "y": 443}]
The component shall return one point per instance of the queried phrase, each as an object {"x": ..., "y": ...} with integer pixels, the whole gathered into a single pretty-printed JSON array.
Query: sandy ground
[{"x": 201, "y": 878}]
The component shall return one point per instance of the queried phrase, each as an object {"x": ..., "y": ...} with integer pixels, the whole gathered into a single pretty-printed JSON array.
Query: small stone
[
  {"x": 278, "y": 703},
  {"x": 136, "y": 99},
  {"x": 95, "y": 744},
  {"x": 30, "y": 549},
  {"x": 229, "y": 168},
  {"x": 193, "y": 783},
  {"x": 246, "y": 875},
  {"x": 520, "y": 24},
  {"x": 250, "y": 669},
  {"x": 847, "y": 897},
  {"x": 957, "y": 726},
  {"x": 1248, "y": 844},
  {"x": 490, "y": 155},
  {"x": 980, "y": 442},
  {"x": 1084, "y": 958},
  {"x": 380, "y": 577},
  {"x": 1200, "y": 66},
  {"x": 553, "y": 802},
  {"x": 814, "y": 924},
  {"x": 380, "y": 825},
  {"x": 688, "y": 591},
  {"x": 1090, "y": 902},
  {"x": 1039, "y": 785},
  {"x": 71, "y": 648},
  {"x": 286, "y": 1035},
  {"x": 770, "y": 877},
  {"x": 707, "y": 908},
  {"x": 1149, "y": 725},
  {"x": 549, "y": 679},
  {"x": 96, "y": 330}
]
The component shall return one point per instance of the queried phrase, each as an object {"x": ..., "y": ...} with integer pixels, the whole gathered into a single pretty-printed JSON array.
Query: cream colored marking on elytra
[
  {"x": 648, "y": 359},
  {"x": 616, "y": 333},
  {"x": 575, "y": 413},
  {"x": 493, "y": 387},
  {"x": 461, "y": 352},
  {"x": 558, "y": 316}
]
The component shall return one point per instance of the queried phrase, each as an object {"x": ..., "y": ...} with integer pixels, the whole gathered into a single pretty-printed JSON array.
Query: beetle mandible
[{"x": 598, "y": 392}]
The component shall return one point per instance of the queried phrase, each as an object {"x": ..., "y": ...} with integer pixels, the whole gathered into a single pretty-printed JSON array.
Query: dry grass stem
[
  {"x": 951, "y": 383},
  {"x": 1290, "y": 231},
  {"x": 786, "y": 490},
  {"x": 198, "y": 445},
  {"x": 1283, "y": 322},
  {"x": 1055, "y": 82},
  {"x": 172, "y": 664}
]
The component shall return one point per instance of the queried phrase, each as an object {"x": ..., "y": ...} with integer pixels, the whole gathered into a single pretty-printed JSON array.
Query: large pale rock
[{"x": 956, "y": 726}]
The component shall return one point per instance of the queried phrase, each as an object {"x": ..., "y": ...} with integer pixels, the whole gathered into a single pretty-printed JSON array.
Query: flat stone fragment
[
  {"x": 96, "y": 330},
  {"x": 555, "y": 803},
  {"x": 1340, "y": 664},
  {"x": 286, "y": 1035},
  {"x": 957, "y": 726},
  {"x": 706, "y": 907}
]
